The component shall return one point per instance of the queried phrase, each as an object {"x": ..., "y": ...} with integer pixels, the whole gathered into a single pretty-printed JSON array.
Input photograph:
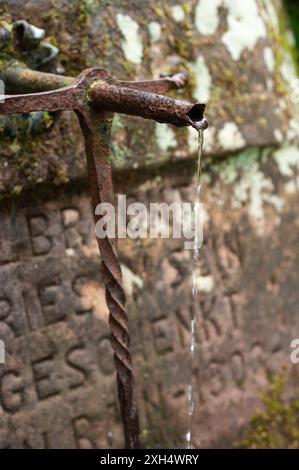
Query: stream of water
[{"x": 195, "y": 273}]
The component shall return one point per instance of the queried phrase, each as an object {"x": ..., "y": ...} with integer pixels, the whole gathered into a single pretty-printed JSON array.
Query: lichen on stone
[
  {"x": 207, "y": 16},
  {"x": 165, "y": 137},
  {"x": 269, "y": 59},
  {"x": 132, "y": 42},
  {"x": 250, "y": 186},
  {"x": 155, "y": 30},
  {"x": 245, "y": 27},
  {"x": 203, "y": 80},
  {"x": 178, "y": 13},
  {"x": 230, "y": 137}
]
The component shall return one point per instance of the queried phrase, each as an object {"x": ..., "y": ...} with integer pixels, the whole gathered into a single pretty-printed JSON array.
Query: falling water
[{"x": 194, "y": 318}]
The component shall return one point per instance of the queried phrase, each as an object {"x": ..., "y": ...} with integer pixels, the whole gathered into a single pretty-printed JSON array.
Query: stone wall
[
  {"x": 238, "y": 60},
  {"x": 57, "y": 388}
]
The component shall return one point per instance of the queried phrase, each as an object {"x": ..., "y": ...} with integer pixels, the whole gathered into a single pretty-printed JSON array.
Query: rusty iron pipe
[
  {"x": 105, "y": 94},
  {"x": 148, "y": 105},
  {"x": 51, "y": 101},
  {"x": 23, "y": 80},
  {"x": 160, "y": 86},
  {"x": 144, "y": 99}
]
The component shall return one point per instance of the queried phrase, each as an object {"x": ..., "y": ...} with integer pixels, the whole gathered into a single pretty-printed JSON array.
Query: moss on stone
[
  {"x": 277, "y": 426},
  {"x": 292, "y": 9},
  {"x": 86, "y": 33}
]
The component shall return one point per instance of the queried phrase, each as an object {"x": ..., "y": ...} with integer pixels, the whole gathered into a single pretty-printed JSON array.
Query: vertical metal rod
[{"x": 96, "y": 127}]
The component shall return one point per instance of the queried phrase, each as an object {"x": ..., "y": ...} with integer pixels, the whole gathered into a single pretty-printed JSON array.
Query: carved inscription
[
  {"x": 57, "y": 386},
  {"x": 59, "y": 360}
]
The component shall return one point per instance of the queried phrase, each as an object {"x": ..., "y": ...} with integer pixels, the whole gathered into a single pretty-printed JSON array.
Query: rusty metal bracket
[{"x": 95, "y": 96}]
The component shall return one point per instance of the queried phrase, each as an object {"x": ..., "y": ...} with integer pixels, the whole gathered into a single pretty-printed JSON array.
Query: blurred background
[{"x": 57, "y": 388}]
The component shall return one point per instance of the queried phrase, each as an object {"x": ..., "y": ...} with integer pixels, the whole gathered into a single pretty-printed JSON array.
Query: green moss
[
  {"x": 283, "y": 45},
  {"x": 292, "y": 9},
  {"x": 89, "y": 6},
  {"x": 22, "y": 138},
  {"x": 277, "y": 426},
  {"x": 117, "y": 124},
  {"x": 120, "y": 154}
]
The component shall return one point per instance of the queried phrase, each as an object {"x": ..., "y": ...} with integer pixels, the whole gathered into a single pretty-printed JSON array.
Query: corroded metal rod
[
  {"x": 105, "y": 94},
  {"x": 96, "y": 128},
  {"x": 24, "y": 80},
  {"x": 51, "y": 101},
  {"x": 147, "y": 105}
]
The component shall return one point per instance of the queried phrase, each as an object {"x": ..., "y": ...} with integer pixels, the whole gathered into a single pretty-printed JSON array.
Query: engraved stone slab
[{"x": 57, "y": 388}]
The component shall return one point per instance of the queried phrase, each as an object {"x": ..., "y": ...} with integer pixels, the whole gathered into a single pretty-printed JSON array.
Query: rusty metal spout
[{"x": 148, "y": 105}]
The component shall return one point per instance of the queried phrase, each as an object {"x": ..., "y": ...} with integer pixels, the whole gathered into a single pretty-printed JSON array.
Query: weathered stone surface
[
  {"x": 58, "y": 383},
  {"x": 57, "y": 388},
  {"x": 237, "y": 61}
]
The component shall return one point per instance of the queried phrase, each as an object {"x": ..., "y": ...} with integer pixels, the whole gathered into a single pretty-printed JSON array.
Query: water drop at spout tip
[{"x": 201, "y": 125}]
